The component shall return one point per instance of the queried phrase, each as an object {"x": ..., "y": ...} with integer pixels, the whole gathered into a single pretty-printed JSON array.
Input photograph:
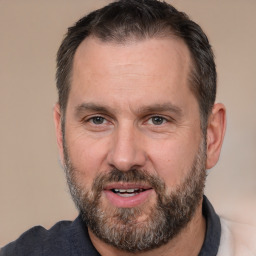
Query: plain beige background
[{"x": 32, "y": 183}]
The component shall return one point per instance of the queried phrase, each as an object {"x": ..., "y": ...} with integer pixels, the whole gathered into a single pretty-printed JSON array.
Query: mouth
[
  {"x": 128, "y": 192},
  {"x": 127, "y": 195}
]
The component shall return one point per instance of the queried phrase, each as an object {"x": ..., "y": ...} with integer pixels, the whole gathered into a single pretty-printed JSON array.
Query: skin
[{"x": 127, "y": 85}]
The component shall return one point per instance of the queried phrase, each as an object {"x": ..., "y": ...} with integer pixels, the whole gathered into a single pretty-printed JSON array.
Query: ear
[
  {"x": 215, "y": 134},
  {"x": 58, "y": 130}
]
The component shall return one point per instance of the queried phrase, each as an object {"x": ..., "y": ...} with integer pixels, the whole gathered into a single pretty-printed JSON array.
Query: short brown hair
[{"x": 140, "y": 19}]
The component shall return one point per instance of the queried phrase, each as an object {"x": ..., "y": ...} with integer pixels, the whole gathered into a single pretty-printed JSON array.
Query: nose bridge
[{"x": 126, "y": 151}]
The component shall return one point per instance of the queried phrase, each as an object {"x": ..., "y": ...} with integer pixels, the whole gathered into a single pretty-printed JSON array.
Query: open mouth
[
  {"x": 128, "y": 192},
  {"x": 126, "y": 195}
]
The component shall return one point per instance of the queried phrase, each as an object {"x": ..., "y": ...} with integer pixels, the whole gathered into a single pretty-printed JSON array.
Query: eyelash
[
  {"x": 91, "y": 119},
  {"x": 103, "y": 119},
  {"x": 153, "y": 118}
]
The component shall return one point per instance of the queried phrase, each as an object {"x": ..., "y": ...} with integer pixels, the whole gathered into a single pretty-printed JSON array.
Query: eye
[
  {"x": 97, "y": 123},
  {"x": 157, "y": 120},
  {"x": 97, "y": 120}
]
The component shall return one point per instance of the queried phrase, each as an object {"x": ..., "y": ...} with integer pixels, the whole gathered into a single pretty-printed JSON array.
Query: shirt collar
[{"x": 213, "y": 230}]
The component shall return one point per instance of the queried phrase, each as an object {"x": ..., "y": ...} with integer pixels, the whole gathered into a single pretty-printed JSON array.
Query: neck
[{"x": 187, "y": 243}]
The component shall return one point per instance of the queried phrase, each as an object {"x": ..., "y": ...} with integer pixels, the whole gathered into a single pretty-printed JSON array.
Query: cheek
[
  {"x": 172, "y": 160},
  {"x": 86, "y": 155}
]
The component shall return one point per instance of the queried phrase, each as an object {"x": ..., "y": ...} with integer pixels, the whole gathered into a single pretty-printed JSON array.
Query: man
[{"x": 137, "y": 126}]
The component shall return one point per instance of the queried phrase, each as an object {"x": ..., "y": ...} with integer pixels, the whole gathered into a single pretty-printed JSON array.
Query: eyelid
[
  {"x": 166, "y": 118},
  {"x": 88, "y": 118},
  {"x": 151, "y": 121},
  {"x": 91, "y": 119}
]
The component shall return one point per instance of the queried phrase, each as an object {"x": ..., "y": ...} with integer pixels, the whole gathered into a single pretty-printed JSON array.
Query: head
[
  {"x": 123, "y": 21},
  {"x": 136, "y": 121}
]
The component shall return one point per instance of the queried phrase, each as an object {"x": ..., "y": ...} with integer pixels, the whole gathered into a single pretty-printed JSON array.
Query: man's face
[{"x": 133, "y": 145}]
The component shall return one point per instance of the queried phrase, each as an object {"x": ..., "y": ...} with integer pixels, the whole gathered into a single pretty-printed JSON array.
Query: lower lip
[{"x": 128, "y": 202}]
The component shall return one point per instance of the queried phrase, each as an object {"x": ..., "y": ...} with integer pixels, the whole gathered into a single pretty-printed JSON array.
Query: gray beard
[{"x": 120, "y": 227}]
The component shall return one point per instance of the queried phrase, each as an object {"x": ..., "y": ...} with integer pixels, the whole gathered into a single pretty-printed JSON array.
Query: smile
[
  {"x": 128, "y": 192},
  {"x": 127, "y": 195}
]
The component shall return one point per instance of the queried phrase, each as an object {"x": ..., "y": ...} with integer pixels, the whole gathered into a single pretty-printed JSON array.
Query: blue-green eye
[
  {"x": 157, "y": 120},
  {"x": 97, "y": 120}
]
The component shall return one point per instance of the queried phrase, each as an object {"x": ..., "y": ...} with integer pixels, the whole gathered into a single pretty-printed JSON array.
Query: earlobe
[
  {"x": 58, "y": 129},
  {"x": 215, "y": 134}
]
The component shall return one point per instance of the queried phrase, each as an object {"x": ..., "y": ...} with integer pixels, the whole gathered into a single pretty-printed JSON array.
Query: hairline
[{"x": 133, "y": 38}]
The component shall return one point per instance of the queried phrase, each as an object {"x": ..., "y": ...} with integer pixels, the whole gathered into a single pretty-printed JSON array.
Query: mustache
[{"x": 136, "y": 176}]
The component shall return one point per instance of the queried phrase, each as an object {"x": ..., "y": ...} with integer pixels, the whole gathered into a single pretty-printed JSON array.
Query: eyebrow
[
  {"x": 154, "y": 108},
  {"x": 162, "y": 107},
  {"x": 92, "y": 107}
]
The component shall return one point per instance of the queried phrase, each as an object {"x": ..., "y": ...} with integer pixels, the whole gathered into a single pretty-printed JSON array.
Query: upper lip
[{"x": 127, "y": 186}]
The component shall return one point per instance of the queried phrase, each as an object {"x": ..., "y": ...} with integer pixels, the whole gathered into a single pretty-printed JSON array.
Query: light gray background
[{"x": 32, "y": 183}]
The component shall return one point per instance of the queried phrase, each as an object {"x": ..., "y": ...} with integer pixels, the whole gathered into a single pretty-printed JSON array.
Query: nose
[{"x": 127, "y": 149}]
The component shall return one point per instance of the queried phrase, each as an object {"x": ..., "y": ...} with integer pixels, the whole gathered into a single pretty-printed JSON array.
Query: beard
[{"x": 120, "y": 227}]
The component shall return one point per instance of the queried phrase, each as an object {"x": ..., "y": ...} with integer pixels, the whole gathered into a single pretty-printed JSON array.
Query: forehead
[
  {"x": 154, "y": 67},
  {"x": 167, "y": 52}
]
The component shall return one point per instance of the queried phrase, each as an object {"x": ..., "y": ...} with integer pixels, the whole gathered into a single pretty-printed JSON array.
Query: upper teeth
[{"x": 130, "y": 190}]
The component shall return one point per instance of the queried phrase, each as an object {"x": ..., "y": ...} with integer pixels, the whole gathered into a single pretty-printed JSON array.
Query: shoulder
[
  {"x": 237, "y": 239},
  {"x": 38, "y": 240}
]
